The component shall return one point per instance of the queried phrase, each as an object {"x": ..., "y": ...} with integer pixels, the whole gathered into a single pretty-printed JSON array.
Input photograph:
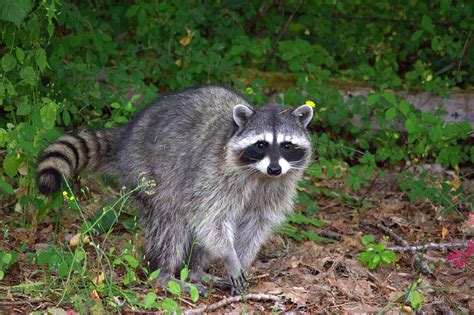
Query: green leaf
[
  {"x": 28, "y": 75},
  {"x": 445, "y": 5},
  {"x": 427, "y": 24},
  {"x": 193, "y": 293},
  {"x": 154, "y": 275},
  {"x": 10, "y": 165},
  {"x": 404, "y": 107},
  {"x": 390, "y": 113},
  {"x": 23, "y": 108},
  {"x": 8, "y": 62},
  {"x": 184, "y": 274},
  {"x": 14, "y": 10},
  {"x": 410, "y": 125},
  {"x": 20, "y": 54},
  {"x": 40, "y": 57},
  {"x": 416, "y": 36},
  {"x": 415, "y": 299},
  {"x": 6, "y": 187},
  {"x": 367, "y": 239},
  {"x": 169, "y": 305},
  {"x": 174, "y": 287},
  {"x": 7, "y": 258},
  {"x": 372, "y": 99},
  {"x": 150, "y": 298},
  {"x": 132, "y": 261},
  {"x": 388, "y": 256},
  {"x": 390, "y": 97},
  {"x": 48, "y": 114}
]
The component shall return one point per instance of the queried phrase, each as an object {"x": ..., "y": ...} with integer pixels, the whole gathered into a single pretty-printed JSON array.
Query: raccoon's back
[{"x": 176, "y": 137}]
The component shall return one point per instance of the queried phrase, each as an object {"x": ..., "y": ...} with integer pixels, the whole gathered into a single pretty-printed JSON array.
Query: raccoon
[{"x": 225, "y": 174}]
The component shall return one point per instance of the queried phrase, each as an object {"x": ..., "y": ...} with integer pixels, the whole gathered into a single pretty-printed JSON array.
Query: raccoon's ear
[
  {"x": 304, "y": 113},
  {"x": 241, "y": 114}
]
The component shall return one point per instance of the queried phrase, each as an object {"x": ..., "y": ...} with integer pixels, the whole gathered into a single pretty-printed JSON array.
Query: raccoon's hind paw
[
  {"x": 48, "y": 180},
  {"x": 239, "y": 283}
]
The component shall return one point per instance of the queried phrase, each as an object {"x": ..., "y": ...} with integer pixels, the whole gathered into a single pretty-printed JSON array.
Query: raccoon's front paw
[{"x": 238, "y": 283}]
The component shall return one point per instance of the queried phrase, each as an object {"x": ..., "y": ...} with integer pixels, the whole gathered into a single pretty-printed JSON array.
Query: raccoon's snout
[{"x": 274, "y": 169}]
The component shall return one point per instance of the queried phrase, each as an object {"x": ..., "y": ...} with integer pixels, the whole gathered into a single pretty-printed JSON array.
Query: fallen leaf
[
  {"x": 93, "y": 294},
  {"x": 187, "y": 39},
  {"x": 297, "y": 295},
  {"x": 267, "y": 287},
  {"x": 74, "y": 241},
  {"x": 99, "y": 278},
  {"x": 444, "y": 233}
]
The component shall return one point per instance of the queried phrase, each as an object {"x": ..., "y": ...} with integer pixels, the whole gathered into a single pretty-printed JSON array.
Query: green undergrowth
[{"x": 91, "y": 64}]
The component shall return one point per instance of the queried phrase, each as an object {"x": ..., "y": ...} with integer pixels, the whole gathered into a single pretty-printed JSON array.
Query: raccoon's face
[{"x": 272, "y": 140}]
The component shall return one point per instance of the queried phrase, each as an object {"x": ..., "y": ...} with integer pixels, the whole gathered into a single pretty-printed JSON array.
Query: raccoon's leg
[
  {"x": 167, "y": 244},
  {"x": 198, "y": 264},
  {"x": 216, "y": 236},
  {"x": 252, "y": 231}
]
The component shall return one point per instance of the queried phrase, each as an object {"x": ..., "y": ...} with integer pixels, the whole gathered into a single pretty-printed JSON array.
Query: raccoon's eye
[
  {"x": 261, "y": 144},
  {"x": 287, "y": 145}
]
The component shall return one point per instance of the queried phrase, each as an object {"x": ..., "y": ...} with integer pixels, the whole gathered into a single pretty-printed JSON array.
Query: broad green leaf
[
  {"x": 372, "y": 99},
  {"x": 23, "y": 108},
  {"x": 20, "y": 54},
  {"x": 410, "y": 125},
  {"x": 2, "y": 274},
  {"x": 28, "y": 75},
  {"x": 174, "y": 287},
  {"x": 390, "y": 113},
  {"x": 48, "y": 114},
  {"x": 193, "y": 293},
  {"x": 416, "y": 36},
  {"x": 14, "y": 10},
  {"x": 10, "y": 165},
  {"x": 404, "y": 107},
  {"x": 390, "y": 97},
  {"x": 6, "y": 187},
  {"x": 132, "y": 261},
  {"x": 7, "y": 258},
  {"x": 184, "y": 274},
  {"x": 415, "y": 299},
  {"x": 8, "y": 62},
  {"x": 150, "y": 298},
  {"x": 367, "y": 239},
  {"x": 40, "y": 57},
  {"x": 445, "y": 5},
  {"x": 169, "y": 305},
  {"x": 3, "y": 136},
  {"x": 427, "y": 23},
  {"x": 154, "y": 275}
]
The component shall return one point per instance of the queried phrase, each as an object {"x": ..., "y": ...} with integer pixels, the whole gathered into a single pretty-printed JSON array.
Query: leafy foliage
[{"x": 84, "y": 64}]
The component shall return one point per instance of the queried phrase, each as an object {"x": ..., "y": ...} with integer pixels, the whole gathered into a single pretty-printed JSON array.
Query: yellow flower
[
  {"x": 311, "y": 103},
  {"x": 65, "y": 193},
  {"x": 71, "y": 198}
]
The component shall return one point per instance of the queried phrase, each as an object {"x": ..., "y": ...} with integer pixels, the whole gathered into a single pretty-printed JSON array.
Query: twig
[
  {"x": 418, "y": 258},
  {"x": 414, "y": 248},
  {"x": 280, "y": 34},
  {"x": 21, "y": 302},
  {"x": 464, "y": 50},
  {"x": 233, "y": 299}
]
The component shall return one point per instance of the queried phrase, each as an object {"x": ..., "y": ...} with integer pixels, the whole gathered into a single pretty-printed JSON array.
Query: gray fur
[{"x": 189, "y": 143}]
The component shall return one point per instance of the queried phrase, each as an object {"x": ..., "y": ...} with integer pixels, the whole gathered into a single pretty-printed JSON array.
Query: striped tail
[{"x": 71, "y": 153}]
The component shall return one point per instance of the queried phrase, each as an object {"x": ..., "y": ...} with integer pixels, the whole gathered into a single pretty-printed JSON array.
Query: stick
[
  {"x": 424, "y": 266},
  {"x": 233, "y": 299},
  {"x": 20, "y": 302},
  {"x": 414, "y": 248}
]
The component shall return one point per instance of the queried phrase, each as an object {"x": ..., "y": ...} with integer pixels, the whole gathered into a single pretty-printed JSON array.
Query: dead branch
[
  {"x": 233, "y": 299},
  {"x": 21, "y": 302},
  {"x": 414, "y": 248},
  {"x": 418, "y": 258}
]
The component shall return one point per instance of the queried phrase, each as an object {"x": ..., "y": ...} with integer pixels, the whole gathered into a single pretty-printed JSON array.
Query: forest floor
[{"x": 307, "y": 276}]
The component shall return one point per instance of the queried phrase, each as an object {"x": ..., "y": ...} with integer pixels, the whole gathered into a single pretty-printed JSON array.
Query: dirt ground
[{"x": 318, "y": 278}]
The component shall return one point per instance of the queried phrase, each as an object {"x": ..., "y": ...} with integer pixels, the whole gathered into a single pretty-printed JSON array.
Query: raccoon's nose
[{"x": 274, "y": 169}]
